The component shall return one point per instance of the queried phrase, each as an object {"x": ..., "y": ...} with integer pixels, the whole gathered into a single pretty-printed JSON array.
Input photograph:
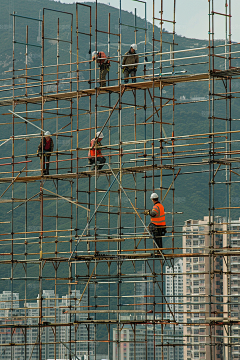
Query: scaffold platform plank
[
  {"x": 83, "y": 174},
  {"x": 143, "y": 85}
]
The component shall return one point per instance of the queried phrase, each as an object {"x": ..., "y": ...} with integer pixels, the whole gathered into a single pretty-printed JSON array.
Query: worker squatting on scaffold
[
  {"x": 104, "y": 65},
  {"x": 157, "y": 226},
  {"x": 130, "y": 59},
  {"x": 95, "y": 152},
  {"x": 44, "y": 151}
]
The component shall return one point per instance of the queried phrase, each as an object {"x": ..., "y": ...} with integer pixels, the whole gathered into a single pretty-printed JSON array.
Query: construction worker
[
  {"x": 104, "y": 64},
  {"x": 157, "y": 226},
  {"x": 95, "y": 151},
  {"x": 44, "y": 151},
  {"x": 130, "y": 59}
]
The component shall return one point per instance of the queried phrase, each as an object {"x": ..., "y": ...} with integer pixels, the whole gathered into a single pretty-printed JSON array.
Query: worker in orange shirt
[
  {"x": 157, "y": 226},
  {"x": 104, "y": 65},
  {"x": 95, "y": 152}
]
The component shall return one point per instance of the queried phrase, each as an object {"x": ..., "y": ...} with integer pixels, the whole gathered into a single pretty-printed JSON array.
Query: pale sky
[{"x": 191, "y": 15}]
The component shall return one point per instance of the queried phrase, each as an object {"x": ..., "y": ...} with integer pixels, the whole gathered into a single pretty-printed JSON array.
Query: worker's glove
[
  {"x": 146, "y": 212},
  {"x": 135, "y": 68},
  {"x": 123, "y": 70}
]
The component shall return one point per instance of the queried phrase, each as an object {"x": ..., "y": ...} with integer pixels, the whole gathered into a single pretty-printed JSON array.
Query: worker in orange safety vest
[{"x": 157, "y": 226}]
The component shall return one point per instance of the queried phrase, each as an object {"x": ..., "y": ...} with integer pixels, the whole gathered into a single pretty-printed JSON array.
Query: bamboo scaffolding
[{"x": 94, "y": 235}]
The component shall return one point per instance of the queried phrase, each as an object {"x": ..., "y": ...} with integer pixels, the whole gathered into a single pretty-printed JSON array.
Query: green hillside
[{"x": 191, "y": 190}]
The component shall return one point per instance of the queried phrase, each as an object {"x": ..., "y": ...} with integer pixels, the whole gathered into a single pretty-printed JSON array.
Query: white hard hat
[
  {"x": 100, "y": 135},
  {"x": 154, "y": 196},
  {"x": 94, "y": 53},
  {"x": 134, "y": 46},
  {"x": 47, "y": 133}
]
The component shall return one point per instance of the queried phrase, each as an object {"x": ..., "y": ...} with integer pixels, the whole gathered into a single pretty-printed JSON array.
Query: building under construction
[{"x": 81, "y": 274}]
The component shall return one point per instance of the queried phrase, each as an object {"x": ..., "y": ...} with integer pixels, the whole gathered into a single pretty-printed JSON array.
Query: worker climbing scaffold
[
  {"x": 95, "y": 153},
  {"x": 157, "y": 226}
]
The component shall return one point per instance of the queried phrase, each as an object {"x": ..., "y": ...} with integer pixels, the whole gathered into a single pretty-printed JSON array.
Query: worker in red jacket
[
  {"x": 95, "y": 152},
  {"x": 44, "y": 151},
  {"x": 157, "y": 226},
  {"x": 104, "y": 65}
]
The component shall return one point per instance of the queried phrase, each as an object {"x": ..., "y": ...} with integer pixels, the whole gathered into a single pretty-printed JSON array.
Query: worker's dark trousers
[
  {"x": 44, "y": 159},
  {"x": 100, "y": 159},
  {"x": 104, "y": 69},
  {"x": 157, "y": 233},
  {"x": 129, "y": 73}
]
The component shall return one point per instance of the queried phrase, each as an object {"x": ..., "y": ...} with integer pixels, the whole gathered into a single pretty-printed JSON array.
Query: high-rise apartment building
[
  {"x": 57, "y": 342},
  {"x": 174, "y": 311},
  {"x": 174, "y": 291},
  {"x": 231, "y": 289},
  {"x": 145, "y": 288},
  {"x": 32, "y": 313},
  {"x": 78, "y": 334},
  {"x": 141, "y": 343},
  {"x": 11, "y": 313},
  {"x": 147, "y": 342},
  {"x": 201, "y": 299},
  {"x": 9, "y": 304}
]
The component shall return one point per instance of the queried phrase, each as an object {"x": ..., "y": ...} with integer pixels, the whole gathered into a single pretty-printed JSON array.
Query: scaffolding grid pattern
[{"x": 75, "y": 243}]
